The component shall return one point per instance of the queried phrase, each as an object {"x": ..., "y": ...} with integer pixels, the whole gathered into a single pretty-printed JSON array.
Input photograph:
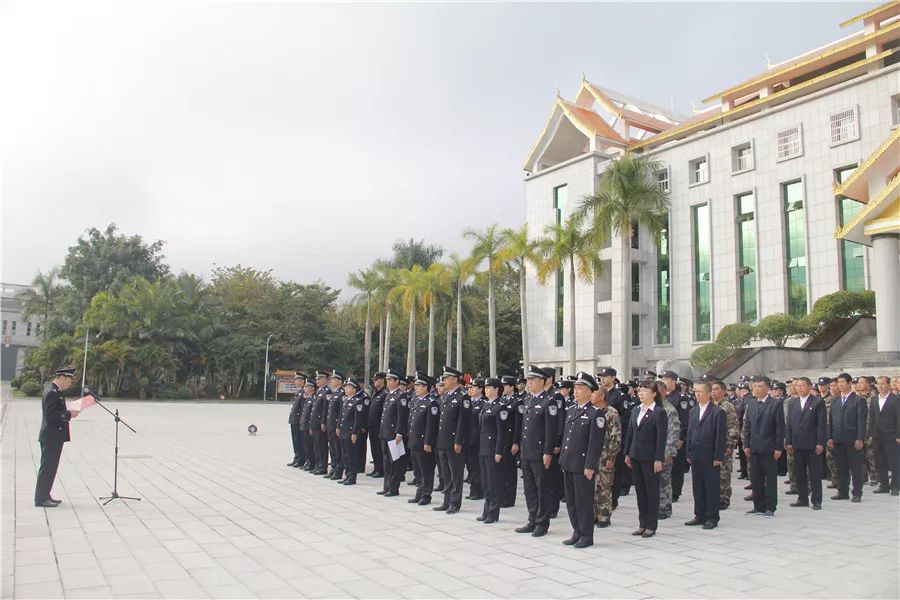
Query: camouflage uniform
[
  {"x": 673, "y": 434},
  {"x": 829, "y": 453},
  {"x": 869, "y": 446},
  {"x": 611, "y": 446},
  {"x": 732, "y": 437}
]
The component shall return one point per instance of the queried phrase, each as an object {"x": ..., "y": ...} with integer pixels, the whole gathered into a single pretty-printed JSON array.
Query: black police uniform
[
  {"x": 616, "y": 399},
  {"x": 473, "y": 464},
  {"x": 375, "y": 409},
  {"x": 557, "y": 490},
  {"x": 394, "y": 421},
  {"x": 582, "y": 444},
  {"x": 540, "y": 435},
  {"x": 317, "y": 420},
  {"x": 352, "y": 423},
  {"x": 453, "y": 429},
  {"x": 53, "y": 434},
  {"x": 683, "y": 404},
  {"x": 423, "y": 428},
  {"x": 306, "y": 440},
  {"x": 296, "y": 413},
  {"x": 335, "y": 398},
  {"x": 511, "y": 470},
  {"x": 493, "y": 441}
]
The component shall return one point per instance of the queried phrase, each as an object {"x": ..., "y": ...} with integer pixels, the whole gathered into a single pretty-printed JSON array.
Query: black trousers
[
  {"x": 387, "y": 465},
  {"x": 887, "y": 458},
  {"x": 351, "y": 456},
  {"x": 423, "y": 467},
  {"x": 557, "y": 487},
  {"x": 646, "y": 488},
  {"x": 320, "y": 445},
  {"x": 764, "y": 481},
  {"x": 397, "y": 474},
  {"x": 680, "y": 466},
  {"x": 337, "y": 452},
  {"x": 580, "y": 504},
  {"x": 705, "y": 483},
  {"x": 361, "y": 453},
  {"x": 742, "y": 458},
  {"x": 621, "y": 477},
  {"x": 51, "y": 452},
  {"x": 297, "y": 441},
  {"x": 536, "y": 482},
  {"x": 377, "y": 454},
  {"x": 452, "y": 465},
  {"x": 510, "y": 482},
  {"x": 808, "y": 472},
  {"x": 849, "y": 462},
  {"x": 494, "y": 475},
  {"x": 473, "y": 466}
]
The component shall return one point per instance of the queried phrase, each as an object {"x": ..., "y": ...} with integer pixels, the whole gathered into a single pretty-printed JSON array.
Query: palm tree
[
  {"x": 486, "y": 248},
  {"x": 39, "y": 299},
  {"x": 628, "y": 197},
  {"x": 436, "y": 287},
  {"x": 386, "y": 281},
  {"x": 461, "y": 270},
  {"x": 564, "y": 245},
  {"x": 408, "y": 253},
  {"x": 411, "y": 287},
  {"x": 518, "y": 251},
  {"x": 367, "y": 282}
]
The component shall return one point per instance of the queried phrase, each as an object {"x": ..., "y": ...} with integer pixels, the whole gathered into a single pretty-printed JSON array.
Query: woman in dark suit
[{"x": 645, "y": 446}]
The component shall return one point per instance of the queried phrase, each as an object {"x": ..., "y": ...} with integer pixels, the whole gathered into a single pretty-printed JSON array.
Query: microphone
[{"x": 88, "y": 392}]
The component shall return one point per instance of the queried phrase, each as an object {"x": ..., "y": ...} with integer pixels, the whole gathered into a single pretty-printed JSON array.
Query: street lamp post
[{"x": 266, "y": 372}]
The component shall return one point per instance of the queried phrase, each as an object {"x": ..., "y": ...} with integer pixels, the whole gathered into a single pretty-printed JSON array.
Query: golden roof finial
[
  {"x": 694, "y": 108},
  {"x": 769, "y": 62},
  {"x": 558, "y": 95},
  {"x": 583, "y": 76}
]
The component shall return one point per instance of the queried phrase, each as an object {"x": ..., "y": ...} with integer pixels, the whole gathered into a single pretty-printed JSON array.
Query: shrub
[
  {"x": 16, "y": 382},
  {"x": 31, "y": 388},
  {"x": 736, "y": 336},
  {"x": 843, "y": 305},
  {"x": 184, "y": 393},
  {"x": 708, "y": 356},
  {"x": 780, "y": 327}
]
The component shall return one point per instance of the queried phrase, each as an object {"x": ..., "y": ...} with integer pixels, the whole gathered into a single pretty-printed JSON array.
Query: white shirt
[
  {"x": 702, "y": 409},
  {"x": 881, "y": 401},
  {"x": 803, "y": 402},
  {"x": 644, "y": 410}
]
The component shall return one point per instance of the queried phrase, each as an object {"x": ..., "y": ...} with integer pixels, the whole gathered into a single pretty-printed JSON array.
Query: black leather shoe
[
  {"x": 489, "y": 520},
  {"x": 817, "y": 507},
  {"x": 570, "y": 541},
  {"x": 292, "y": 464},
  {"x": 481, "y": 518},
  {"x": 753, "y": 511},
  {"x": 46, "y": 504},
  {"x": 840, "y": 497},
  {"x": 791, "y": 493},
  {"x": 391, "y": 494},
  {"x": 381, "y": 492},
  {"x": 583, "y": 543},
  {"x": 882, "y": 490},
  {"x": 710, "y": 525},
  {"x": 424, "y": 502},
  {"x": 748, "y": 498},
  {"x": 441, "y": 508},
  {"x": 452, "y": 510},
  {"x": 539, "y": 532},
  {"x": 748, "y": 487},
  {"x": 895, "y": 492},
  {"x": 527, "y": 528},
  {"x": 350, "y": 482},
  {"x": 638, "y": 532},
  {"x": 798, "y": 504},
  {"x": 553, "y": 515},
  {"x": 831, "y": 486},
  {"x": 723, "y": 506},
  {"x": 769, "y": 513},
  {"x": 54, "y": 500},
  {"x": 342, "y": 481},
  {"x": 856, "y": 499},
  {"x": 694, "y": 522},
  {"x": 603, "y": 524},
  {"x": 413, "y": 500},
  {"x": 649, "y": 534},
  {"x": 377, "y": 475},
  {"x": 663, "y": 517}
]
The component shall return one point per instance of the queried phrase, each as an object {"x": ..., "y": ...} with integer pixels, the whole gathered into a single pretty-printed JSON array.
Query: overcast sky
[{"x": 307, "y": 138}]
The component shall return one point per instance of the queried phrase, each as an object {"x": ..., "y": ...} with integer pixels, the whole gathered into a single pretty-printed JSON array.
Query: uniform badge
[
  {"x": 552, "y": 410},
  {"x": 465, "y": 404},
  {"x": 434, "y": 410},
  {"x": 521, "y": 409},
  {"x": 601, "y": 422},
  {"x": 359, "y": 408},
  {"x": 403, "y": 402},
  {"x": 366, "y": 401},
  {"x": 503, "y": 415},
  {"x": 684, "y": 404}
]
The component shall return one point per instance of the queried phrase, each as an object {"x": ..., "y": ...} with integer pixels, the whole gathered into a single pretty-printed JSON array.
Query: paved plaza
[{"x": 222, "y": 517}]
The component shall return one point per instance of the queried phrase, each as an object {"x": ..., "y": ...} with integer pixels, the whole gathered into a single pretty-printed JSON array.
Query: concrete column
[{"x": 886, "y": 283}]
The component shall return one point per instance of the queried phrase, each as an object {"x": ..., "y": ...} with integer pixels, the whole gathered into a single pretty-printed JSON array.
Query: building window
[
  {"x": 5, "y": 326},
  {"x": 28, "y": 329},
  {"x": 12, "y": 330},
  {"x": 746, "y": 231},
  {"x": 37, "y": 328},
  {"x": 853, "y": 274},
  {"x": 795, "y": 234},
  {"x": 662, "y": 179},
  {"x": 895, "y": 106},
  {"x": 702, "y": 302},
  {"x": 790, "y": 143},
  {"x": 635, "y": 282},
  {"x": 635, "y": 331},
  {"x": 742, "y": 157},
  {"x": 699, "y": 170},
  {"x": 663, "y": 311},
  {"x": 635, "y": 235},
  {"x": 560, "y": 199},
  {"x": 844, "y": 126}
]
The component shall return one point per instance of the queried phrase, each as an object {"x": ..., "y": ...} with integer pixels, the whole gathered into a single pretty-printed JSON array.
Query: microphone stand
[{"x": 114, "y": 495}]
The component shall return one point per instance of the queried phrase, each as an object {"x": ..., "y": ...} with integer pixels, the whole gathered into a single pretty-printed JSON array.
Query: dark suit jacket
[
  {"x": 806, "y": 429},
  {"x": 764, "y": 425},
  {"x": 886, "y": 421},
  {"x": 706, "y": 436},
  {"x": 647, "y": 440},
  {"x": 848, "y": 420},
  {"x": 55, "y": 417}
]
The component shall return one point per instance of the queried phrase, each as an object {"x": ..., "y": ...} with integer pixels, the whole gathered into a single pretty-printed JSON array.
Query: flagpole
[{"x": 84, "y": 365}]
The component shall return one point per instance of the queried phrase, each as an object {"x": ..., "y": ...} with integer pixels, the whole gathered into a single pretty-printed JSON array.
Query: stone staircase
[{"x": 861, "y": 358}]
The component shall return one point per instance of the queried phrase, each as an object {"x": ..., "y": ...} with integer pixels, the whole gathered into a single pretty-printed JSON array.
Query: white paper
[{"x": 396, "y": 448}]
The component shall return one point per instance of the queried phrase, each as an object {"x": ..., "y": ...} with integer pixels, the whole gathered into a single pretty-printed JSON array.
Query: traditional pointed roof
[
  {"x": 885, "y": 11},
  {"x": 880, "y": 215},
  {"x": 857, "y": 185},
  {"x": 645, "y": 116}
]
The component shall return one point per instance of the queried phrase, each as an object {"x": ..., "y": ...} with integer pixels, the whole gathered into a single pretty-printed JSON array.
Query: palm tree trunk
[
  {"x": 381, "y": 343},
  {"x": 448, "y": 356},
  {"x": 387, "y": 341},
  {"x": 492, "y": 324},
  {"x": 367, "y": 344},
  {"x": 524, "y": 316},
  {"x": 625, "y": 372},
  {"x": 459, "y": 355},
  {"x": 431, "y": 317},
  {"x": 572, "y": 369},
  {"x": 411, "y": 340}
]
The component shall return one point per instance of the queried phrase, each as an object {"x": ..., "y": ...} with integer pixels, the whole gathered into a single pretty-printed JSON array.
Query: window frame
[
  {"x": 750, "y": 146},
  {"x": 691, "y": 163},
  {"x": 668, "y": 179},
  {"x": 799, "y": 128},
  {"x": 736, "y": 200},
  {"x": 854, "y": 110},
  {"x": 782, "y": 186}
]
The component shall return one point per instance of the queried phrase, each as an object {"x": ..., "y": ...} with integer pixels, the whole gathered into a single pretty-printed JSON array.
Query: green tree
[
  {"x": 736, "y": 336},
  {"x": 519, "y": 252},
  {"x": 409, "y": 253},
  {"x": 461, "y": 270},
  {"x": 486, "y": 248},
  {"x": 412, "y": 284},
  {"x": 628, "y": 196},
  {"x": 778, "y": 328},
  {"x": 708, "y": 356},
  {"x": 366, "y": 281},
  {"x": 566, "y": 246},
  {"x": 42, "y": 296},
  {"x": 436, "y": 289}
]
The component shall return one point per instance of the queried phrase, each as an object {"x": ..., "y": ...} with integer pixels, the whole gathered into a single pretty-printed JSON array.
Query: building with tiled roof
[{"x": 783, "y": 189}]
